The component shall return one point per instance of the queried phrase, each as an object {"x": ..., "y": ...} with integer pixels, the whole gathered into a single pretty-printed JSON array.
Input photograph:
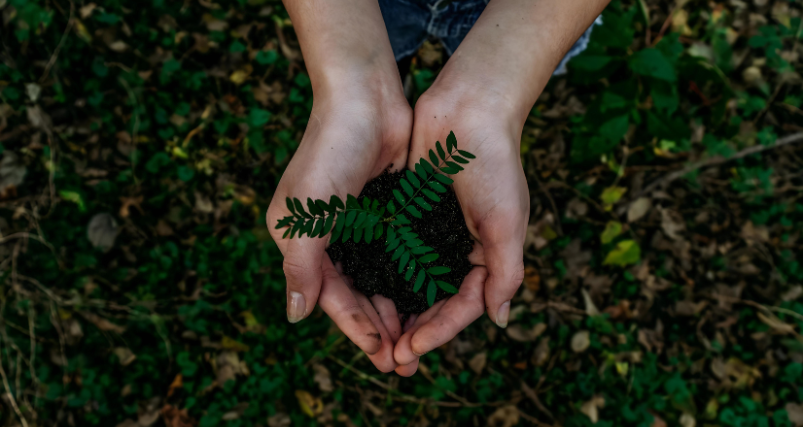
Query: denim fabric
[{"x": 411, "y": 22}]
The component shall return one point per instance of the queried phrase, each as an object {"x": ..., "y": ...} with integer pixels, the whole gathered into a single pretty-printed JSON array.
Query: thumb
[
  {"x": 303, "y": 260},
  {"x": 504, "y": 258}
]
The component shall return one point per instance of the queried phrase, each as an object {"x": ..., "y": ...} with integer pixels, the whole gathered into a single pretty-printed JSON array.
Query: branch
[{"x": 790, "y": 139}]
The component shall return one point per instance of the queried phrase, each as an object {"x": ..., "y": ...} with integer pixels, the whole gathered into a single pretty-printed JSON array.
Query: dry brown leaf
[
  {"x": 86, "y": 10},
  {"x": 310, "y": 405},
  {"x": 477, "y": 363},
  {"x": 102, "y": 231},
  {"x": 591, "y": 408},
  {"x": 532, "y": 280},
  {"x": 581, "y": 341},
  {"x": 506, "y": 416},
  {"x": 776, "y": 324},
  {"x": 125, "y": 355},
  {"x": 128, "y": 202},
  {"x": 638, "y": 209},
  {"x": 672, "y": 223},
  {"x": 280, "y": 420},
  {"x": 174, "y": 417},
  {"x": 657, "y": 421},
  {"x": 687, "y": 420},
  {"x": 541, "y": 354},
  {"x": 323, "y": 378},
  {"x": 795, "y": 413},
  {"x": 752, "y": 234},
  {"x": 518, "y": 333},
  {"x": 102, "y": 324},
  {"x": 591, "y": 309},
  {"x": 203, "y": 204},
  {"x": 178, "y": 382}
]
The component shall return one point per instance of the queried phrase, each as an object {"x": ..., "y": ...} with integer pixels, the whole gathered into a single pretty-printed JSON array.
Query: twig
[
  {"x": 790, "y": 139},
  {"x": 532, "y": 419},
  {"x": 10, "y": 396},
  {"x": 530, "y": 393},
  {"x": 55, "y": 55}
]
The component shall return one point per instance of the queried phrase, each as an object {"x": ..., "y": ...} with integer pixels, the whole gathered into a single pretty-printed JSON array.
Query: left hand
[{"x": 492, "y": 191}]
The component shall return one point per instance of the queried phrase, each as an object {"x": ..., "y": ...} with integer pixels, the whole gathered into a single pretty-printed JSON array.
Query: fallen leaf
[
  {"x": 776, "y": 324},
  {"x": 477, "y": 363},
  {"x": 795, "y": 413},
  {"x": 612, "y": 195},
  {"x": 612, "y": 230},
  {"x": 125, "y": 355},
  {"x": 687, "y": 420},
  {"x": 102, "y": 231},
  {"x": 228, "y": 366},
  {"x": 149, "y": 413},
  {"x": 626, "y": 252},
  {"x": 519, "y": 333},
  {"x": 672, "y": 223},
  {"x": 174, "y": 417},
  {"x": 178, "y": 382},
  {"x": 591, "y": 309},
  {"x": 532, "y": 280},
  {"x": 86, "y": 10},
  {"x": 101, "y": 323},
  {"x": 163, "y": 228},
  {"x": 541, "y": 354},
  {"x": 323, "y": 378},
  {"x": 280, "y": 420},
  {"x": 657, "y": 421},
  {"x": 310, "y": 405},
  {"x": 638, "y": 209},
  {"x": 591, "y": 408},
  {"x": 506, "y": 416},
  {"x": 12, "y": 171},
  {"x": 581, "y": 341},
  {"x": 232, "y": 344},
  {"x": 203, "y": 204},
  {"x": 128, "y": 202}
]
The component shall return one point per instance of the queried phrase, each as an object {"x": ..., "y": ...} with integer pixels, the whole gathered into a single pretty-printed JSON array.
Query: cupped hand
[
  {"x": 350, "y": 139},
  {"x": 493, "y": 194}
]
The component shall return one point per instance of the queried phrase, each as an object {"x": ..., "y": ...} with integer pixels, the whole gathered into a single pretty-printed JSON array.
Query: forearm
[
  {"x": 344, "y": 43},
  {"x": 510, "y": 53}
]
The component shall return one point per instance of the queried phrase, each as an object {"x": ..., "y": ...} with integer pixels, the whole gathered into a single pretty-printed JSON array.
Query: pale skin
[{"x": 361, "y": 124}]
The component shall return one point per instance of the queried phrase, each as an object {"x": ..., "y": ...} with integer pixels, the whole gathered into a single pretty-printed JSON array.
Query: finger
[
  {"x": 458, "y": 312},
  {"x": 408, "y": 370},
  {"x": 403, "y": 353},
  {"x": 390, "y": 317},
  {"x": 303, "y": 259},
  {"x": 382, "y": 359},
  {"x": 503, "y": 249},
  {"x": 477, "y": 255},
  {"x": 338, "y": 301}
]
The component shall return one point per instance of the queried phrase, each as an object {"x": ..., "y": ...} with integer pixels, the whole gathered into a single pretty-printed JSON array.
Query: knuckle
[{"x": 295, "y": 270}]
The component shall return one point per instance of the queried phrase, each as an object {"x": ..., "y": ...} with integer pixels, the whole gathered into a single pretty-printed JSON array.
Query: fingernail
[
  {"x": 419, "y": 355},
  {"x": 503, "y": 314},
  {"x": 296, "y": 307}
]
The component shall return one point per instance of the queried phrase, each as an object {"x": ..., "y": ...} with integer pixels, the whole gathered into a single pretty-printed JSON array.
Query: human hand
[
  {"x": 493, "y": 194},
  {"x": 352, "y": 137}
]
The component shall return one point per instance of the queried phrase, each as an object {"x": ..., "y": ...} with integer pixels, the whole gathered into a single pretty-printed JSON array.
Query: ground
[{"x": 141, "y": 143}]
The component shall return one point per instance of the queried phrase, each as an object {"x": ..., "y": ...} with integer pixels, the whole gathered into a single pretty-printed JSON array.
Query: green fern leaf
[
  {"x": 284, "y": 222},
  {"x": 399, "y": 197},
  {"x": 290, "y": 206},
  {"x": 419, "y": 169},
  {"x": 445, "y": 180},
  {"x": 397, "y": 253},
  {"x": 414, "y": 243},
  {"x": 296, "y": 228},
  {"x": 409, "y": 274},
  {"x": 454, "y": 165},
  {"x": 413, "y": 211},
  {"x": 420, "y": 250},
  {"x": 423, "y": 203},
  {"x": 352, "y": 202},
  {"x": 403, "y": 261},
  {"x": 451, "y": 142},
  {"x": 406, "y": 187},
  {"x": 360, "y": 219},
  {"x": 459, "y": 159},
  {"x": 447, "y": 287},
  {"x": 437, "y": 271},
  {"x": 286, "y": 232},
  {"x": 431, "y": 195},
  {"x": 378, "y": 230},
  {"x": 393, "y": 244},
  {"x": 391, "y": 207},
  {"x": 427, "y": 166},
  {"x": 466, "y": 154},
  {"x": 316, "y": 231},
  {"x": 412, "y": 178},
  {"x": 300, "y": 209},
  {"x": 391, "y": 234},
  {"x": 347, "y": 234},
  {"x": 313, "y": 208},
  {"x": 431, "y": 290},
  {"x": 368, "y": 236},
  {"x": 366, "y": 203},
  {"x": 437, "y": 186},
  {"x": 327, "y": 226},
  {"x": 358, "y": 234},
  {"x": 439, "y": 147},
  {"x": 350, "y": 216},
  {"x": 401, "y": 220},
  {"x": 449, "y": 170},
  {"x": 419, "y": 280},
  {"x": 308, "y": 228},
  {"x": 336, "y": 203},
  {"x": 433, "y": 158},
  {"x": 338, "y": 229},
  {"x": 428, "y": 258}
]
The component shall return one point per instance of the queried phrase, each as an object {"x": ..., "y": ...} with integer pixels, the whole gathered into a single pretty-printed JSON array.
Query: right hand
[{"x": 353, "y": 135}]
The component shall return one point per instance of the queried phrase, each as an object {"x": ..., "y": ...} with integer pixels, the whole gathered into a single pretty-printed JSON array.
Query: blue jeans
[{"x": 411, "y": 22}]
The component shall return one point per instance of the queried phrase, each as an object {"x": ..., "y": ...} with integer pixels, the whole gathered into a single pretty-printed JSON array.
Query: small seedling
[{"x": 368, "y": 221}]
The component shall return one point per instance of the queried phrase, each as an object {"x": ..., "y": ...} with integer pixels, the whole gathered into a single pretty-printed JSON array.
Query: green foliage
[{"x": 365, "y": 221}]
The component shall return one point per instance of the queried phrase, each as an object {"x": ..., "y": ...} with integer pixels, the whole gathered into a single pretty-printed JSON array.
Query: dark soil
[{"x": 444, "y": 229}]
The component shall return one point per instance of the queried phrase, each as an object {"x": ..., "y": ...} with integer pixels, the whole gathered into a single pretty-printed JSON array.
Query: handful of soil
[{"x": 443, "y": 229}]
